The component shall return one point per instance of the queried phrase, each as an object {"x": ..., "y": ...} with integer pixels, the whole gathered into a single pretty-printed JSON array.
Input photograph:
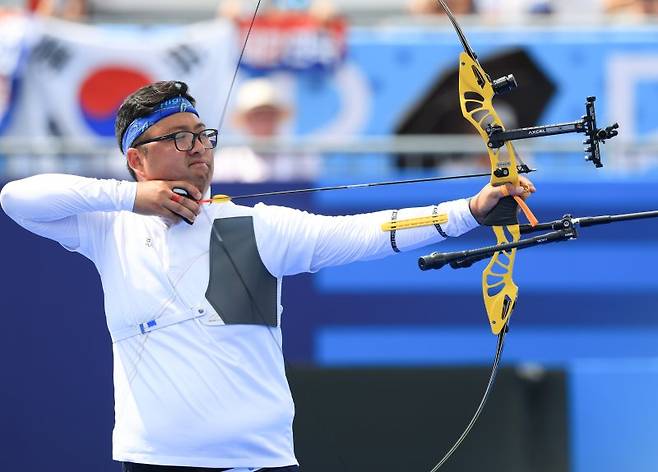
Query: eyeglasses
[{"x": 185, "y": 140}]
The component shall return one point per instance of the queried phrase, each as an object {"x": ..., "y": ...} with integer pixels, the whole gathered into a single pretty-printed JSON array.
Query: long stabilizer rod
[{"x": 559, "y": 230}]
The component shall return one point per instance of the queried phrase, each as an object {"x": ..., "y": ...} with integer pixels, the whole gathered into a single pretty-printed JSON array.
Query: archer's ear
[{"x": 135, "y": 160}]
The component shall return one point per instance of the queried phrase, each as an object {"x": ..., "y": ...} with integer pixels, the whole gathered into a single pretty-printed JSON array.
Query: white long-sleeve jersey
[{"x": 191, "y": 390}]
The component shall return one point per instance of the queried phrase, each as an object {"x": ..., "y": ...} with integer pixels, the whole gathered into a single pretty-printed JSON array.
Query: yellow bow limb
[{"x": 498, "y": 288}]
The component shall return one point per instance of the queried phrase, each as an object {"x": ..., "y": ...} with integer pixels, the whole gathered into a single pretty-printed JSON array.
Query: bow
[{"x": 476, "y": 93}]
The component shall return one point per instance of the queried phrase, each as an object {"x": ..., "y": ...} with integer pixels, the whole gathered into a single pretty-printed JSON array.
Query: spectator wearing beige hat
[{"x": 260, "y": 114}]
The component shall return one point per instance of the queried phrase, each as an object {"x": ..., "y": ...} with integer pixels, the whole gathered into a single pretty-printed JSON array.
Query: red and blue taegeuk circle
[{"x": 103, "y": 90}]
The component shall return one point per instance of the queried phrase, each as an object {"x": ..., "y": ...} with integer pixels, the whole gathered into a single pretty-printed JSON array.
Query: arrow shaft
[{"x": 368, "y": 185}]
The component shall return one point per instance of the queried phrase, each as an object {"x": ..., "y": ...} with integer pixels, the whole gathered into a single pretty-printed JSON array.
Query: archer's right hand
[{"x": 156, "y": 197}]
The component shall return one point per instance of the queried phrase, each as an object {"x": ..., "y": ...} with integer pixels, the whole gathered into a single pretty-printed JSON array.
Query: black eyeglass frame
[{"x": 195, "y": 136}]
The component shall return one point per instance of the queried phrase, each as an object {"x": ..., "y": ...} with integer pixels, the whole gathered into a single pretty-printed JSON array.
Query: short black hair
[{"x": 142, "y": 103}]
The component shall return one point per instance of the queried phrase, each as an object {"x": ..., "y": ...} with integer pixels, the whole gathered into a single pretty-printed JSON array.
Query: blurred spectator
[
  {"x": 432, "y": 7},
  {"x": 260, "y": 114},
  {"x": 229, "y": 9},
  {"x": 72, "y": 10},
  {"x": 321, "y": 10},
  {"x": 518, "y": 10},
  {"x": 633, "y": 7},
  {"x": 515, "y": 9},
  {"x": 260, "y": 111}
]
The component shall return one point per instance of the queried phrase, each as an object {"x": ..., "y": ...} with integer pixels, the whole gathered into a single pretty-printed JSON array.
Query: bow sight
[
  {"x": 587, "y": 124},
  {"x": 499, "y": 136}
]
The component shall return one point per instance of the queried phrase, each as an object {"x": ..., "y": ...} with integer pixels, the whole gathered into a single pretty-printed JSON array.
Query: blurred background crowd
[
  {"x": 364, "y": 86},
  {"x": 489, "y": 10}
]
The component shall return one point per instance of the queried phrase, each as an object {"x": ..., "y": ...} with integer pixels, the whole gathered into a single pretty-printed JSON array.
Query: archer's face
[{"x": 161, "y": 160}]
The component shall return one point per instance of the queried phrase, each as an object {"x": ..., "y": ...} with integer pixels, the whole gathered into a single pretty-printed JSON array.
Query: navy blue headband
[{"x": 164, "y": 109}]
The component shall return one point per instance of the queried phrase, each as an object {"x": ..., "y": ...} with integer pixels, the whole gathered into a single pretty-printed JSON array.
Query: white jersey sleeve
[
  {"x": 292, "y": 241},
  {"x": 69, "y": 209}
]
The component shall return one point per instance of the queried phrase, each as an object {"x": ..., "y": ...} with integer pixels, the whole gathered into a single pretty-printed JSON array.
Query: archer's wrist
[{"x": 474, "y": 213}]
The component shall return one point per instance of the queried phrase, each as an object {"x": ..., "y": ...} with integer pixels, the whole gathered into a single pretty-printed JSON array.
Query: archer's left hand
[{"x": 482, "y": 203}]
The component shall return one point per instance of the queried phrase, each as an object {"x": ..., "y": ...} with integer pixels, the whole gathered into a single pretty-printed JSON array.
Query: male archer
[{"x": 194, "y": 309}]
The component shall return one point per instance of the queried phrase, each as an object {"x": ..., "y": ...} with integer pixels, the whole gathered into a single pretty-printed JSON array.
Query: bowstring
[{"x": 237, "y": 68}]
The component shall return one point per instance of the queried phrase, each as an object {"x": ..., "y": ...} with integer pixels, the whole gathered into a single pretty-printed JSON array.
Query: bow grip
[{"x": 505, "y": 213}]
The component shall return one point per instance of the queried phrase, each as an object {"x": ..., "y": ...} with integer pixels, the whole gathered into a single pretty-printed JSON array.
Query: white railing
[
  {"x": 23, "y": 156},
  {"x": 409, "y": 144}
]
